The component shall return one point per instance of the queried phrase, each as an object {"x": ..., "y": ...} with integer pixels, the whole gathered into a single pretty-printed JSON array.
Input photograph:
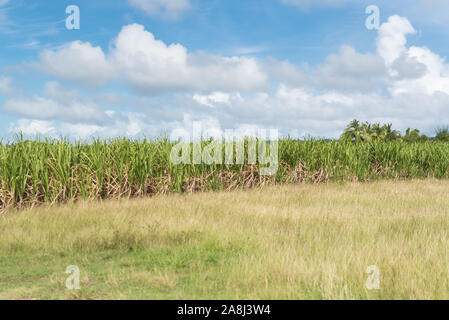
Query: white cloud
[
  {"x": 217, "y": 98},
  {"x": 170, "y": 9},
  {"x": 425, "y": 69},
  {"x": 123, "y": 124},
  {"x": 346, "y": 70},
  {"x": 392, "y": 38},
  {"x": 150, "y": 66},
  {"x": 79, "y": 62},
  {"x": 81, "y": 130},
  {"x": 57, "y": 103},
  {"x": 407, "y": 86},
  {"x": 395, "y": 67},
  {"x": 287, "y": 72},
  {"x": 31, "y": 127},
  {"x": 351, "y": 71},
  {"x": 5, "y": 86}
]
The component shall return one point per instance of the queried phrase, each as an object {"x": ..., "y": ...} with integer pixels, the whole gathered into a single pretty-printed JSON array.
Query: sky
[{"x": 145, "y": 68}]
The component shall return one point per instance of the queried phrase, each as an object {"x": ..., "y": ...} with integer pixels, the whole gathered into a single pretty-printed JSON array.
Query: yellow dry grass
[{"x": 284, "y": 242}]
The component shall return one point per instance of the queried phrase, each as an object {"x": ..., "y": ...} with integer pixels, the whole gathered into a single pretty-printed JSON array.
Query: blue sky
[{"x": 142, "y": 67}]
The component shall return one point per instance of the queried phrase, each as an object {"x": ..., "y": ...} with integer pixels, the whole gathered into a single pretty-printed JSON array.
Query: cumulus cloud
[
  {"x": 57, "y": 103},
  {"x": 418, "y": 69},
  {"x": 149, "y": 65},
  {"x": 79, "y": 62},
  {"x": 347, "y": 71},
  {"x": 54, "y": 129},
  {"x": 392, "y": 38},
  {"x": 217, "y": 98},
  {"x": 287, "y": 72},
  {"x": 295, "y": 109},
  {"x": 351, "y": 71},
  {"x": 170, "y": 9},
  {"x": 129, "y": 124},
  {"x": 31, "y": 127},
  {"x": 394, "y": 67},
  {"x": 407, "y": 86}
]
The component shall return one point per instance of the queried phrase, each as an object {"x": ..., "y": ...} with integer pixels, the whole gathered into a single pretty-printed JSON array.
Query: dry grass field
[{"x": 283, "y": 242}]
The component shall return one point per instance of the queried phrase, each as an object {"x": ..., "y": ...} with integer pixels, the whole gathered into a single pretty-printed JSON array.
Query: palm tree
[
  {"x": 442, "y": 133},
  {"x": 352, "y": 132},
  {"x": 366, "y": 132}
]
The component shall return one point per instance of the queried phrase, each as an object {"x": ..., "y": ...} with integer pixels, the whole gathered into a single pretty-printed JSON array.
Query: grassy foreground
[{"x": 282, "y": 242}]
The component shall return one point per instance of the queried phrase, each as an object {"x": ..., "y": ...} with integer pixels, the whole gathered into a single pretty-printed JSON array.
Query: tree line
[{"x": 366, "y": 132}]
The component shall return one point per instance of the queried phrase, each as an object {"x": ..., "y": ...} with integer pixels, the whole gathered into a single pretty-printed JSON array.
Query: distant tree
[
  {"x": 390, "y": 134},
  {"x": 352, "y": 132},
  {"x": 442, "y": 134},
  {"x": 366, "y": 132},
  {"x": 414, "y": 136}
]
